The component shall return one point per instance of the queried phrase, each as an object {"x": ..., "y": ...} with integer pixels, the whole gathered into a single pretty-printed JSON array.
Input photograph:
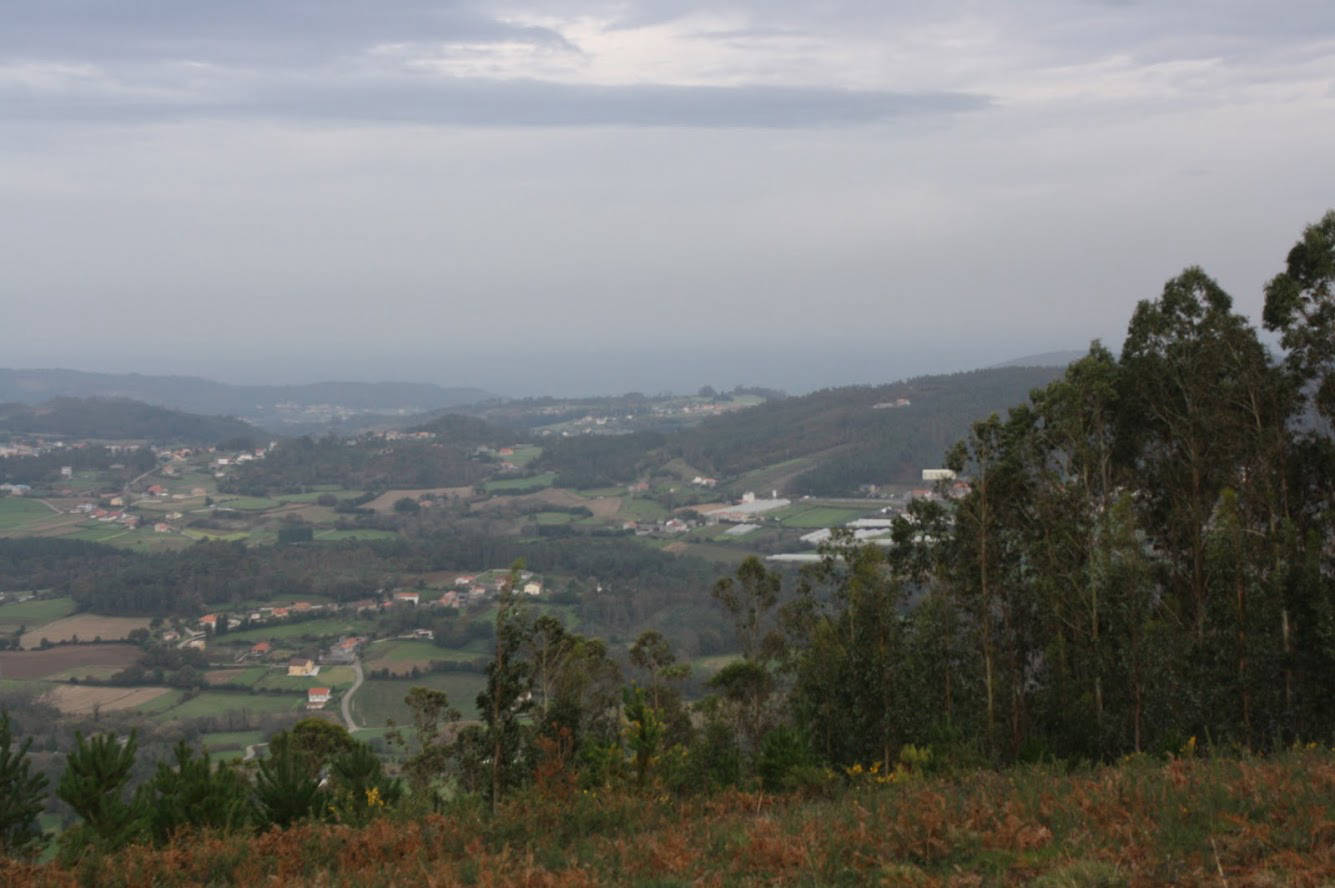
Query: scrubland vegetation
[{"x": 1187, "y": 821}]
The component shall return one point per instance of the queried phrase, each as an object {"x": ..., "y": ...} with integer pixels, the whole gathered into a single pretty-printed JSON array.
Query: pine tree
[
  {"x": 97, "y": 772},
  {"x": 22, "y": 796}
]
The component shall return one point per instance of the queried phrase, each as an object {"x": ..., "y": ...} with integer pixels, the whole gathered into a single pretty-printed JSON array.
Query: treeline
[
  {"x": 107, "y": 580},
  {"x": 44, "y": 469},
  {"x": 589, "y": 461},
  {"x": 300, "y": 464},
  {"x": 313, "y": 769},
  {"x": 621, "y": 584},
  {"x": 1144, "y": 557},
  {"x": 469, "y": 431},
  {"x": 120, "y": 418}
]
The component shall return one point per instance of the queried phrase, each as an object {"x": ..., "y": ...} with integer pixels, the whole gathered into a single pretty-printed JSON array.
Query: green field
[
  {"x": 36, "y": 612},
  {"x": 226, "y": 536},
  {"x": 819, "y": 516},
  {"x": 721, "y": 554},
  {"x": 159, "y": 705},
  {"x": 249, "y": 675},
  {"x": 17, "y": 512},
  {"x": 379, "y": 699},
  {"x": 148, "y": 541},
  {"x": 99, "y": 531},
  {"x": 247, "y": 503},
  {"x": 551, "y": 518},
  {"x": 524, "y": 455},
  {"x": 219, "y": 702},
  {"x": 100, "y": 673},
  {"x": 546, "y": 479},
  {"x": 328, "y": 627},
  {"x": 329, "y": 677},
  {"x": 597, "y": 492},
  {"x": 641, "y": 509},
  {"x": 777, "y": 475},
  {"x": 402, "y": 650},
  {"x": 228, "y": 741},
  {"x": 312, "y": 497},
  {"x": 329, "y": 536}
]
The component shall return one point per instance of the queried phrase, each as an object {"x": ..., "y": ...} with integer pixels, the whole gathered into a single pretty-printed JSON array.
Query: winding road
[{"x": 346, "y": 702}]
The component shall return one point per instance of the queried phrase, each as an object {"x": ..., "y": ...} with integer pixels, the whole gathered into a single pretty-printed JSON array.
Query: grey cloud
[
  {"x": 290, "y": 60},
  {"x": 480, "y": 102},
  {"x": 236, "y": 30}
]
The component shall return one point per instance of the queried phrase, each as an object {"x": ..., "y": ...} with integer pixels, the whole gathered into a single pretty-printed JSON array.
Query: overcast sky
[{"x": 594, "y": 197}]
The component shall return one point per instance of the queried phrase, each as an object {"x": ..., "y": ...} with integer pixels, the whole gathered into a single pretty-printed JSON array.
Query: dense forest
[
  {"x": 121, "y": 419},
  {"x": 300, "y": 464},
  {"x": 590, "y": 461},
  {"x": 469, "y": 431}
]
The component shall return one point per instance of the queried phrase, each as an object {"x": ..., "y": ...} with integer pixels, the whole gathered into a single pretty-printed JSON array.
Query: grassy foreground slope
[{"x": 1142, "y": 822}]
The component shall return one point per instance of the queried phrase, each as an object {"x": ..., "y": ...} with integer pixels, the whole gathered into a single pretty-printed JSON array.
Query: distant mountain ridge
[
  {"x": 271, "y": 405},
  {"x": 121, "y": 419},
  {"x": 1046, "y": 359}
]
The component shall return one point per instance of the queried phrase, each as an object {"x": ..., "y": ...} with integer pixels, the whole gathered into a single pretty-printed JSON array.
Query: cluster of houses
[
  {"x": 467, "y": 589},
  {"x": 118, "y": 515}
]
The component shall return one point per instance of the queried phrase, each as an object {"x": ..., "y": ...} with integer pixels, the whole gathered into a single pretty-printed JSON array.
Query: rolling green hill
[
  {"x": 844, "y": 437},
  {"x": 120, "y": 418}
]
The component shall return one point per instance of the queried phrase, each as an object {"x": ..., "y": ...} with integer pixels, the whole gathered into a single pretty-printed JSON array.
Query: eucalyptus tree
[
  {"x": 988, "y": 564},
  {"x": 652, "y": 654},
  {"x": 433, "y": 747},
  {"x": 506, "y": 697},
  {"x": 747, "y": 686},
  {"x": 846, "y": 632},
  {"x": 1300, "y": 306},
  {"x": 1188, "y": 363},
  {"x": 1071, "y": 479}
]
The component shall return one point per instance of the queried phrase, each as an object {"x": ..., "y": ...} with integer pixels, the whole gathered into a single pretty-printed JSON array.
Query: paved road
[{"x": 347, "y": 698}]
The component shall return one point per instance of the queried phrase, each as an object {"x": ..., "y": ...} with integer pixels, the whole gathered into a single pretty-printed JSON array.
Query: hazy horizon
[
  {"x": 585, "y": 197},
  {"x": 697, "y": 371}
]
